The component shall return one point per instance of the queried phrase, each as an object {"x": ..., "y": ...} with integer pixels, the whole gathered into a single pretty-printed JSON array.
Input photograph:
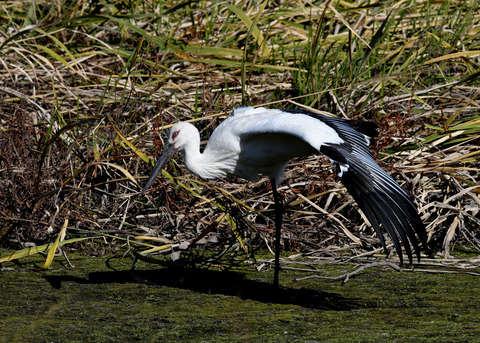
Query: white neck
[{"x": 207, "y": 165}]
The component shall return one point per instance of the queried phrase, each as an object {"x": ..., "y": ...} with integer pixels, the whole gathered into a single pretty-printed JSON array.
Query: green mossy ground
[{"x": 99, "y": 301}]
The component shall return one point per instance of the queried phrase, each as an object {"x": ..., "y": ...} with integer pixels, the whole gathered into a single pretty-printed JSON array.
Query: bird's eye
[{"x": 175, "y": 134}]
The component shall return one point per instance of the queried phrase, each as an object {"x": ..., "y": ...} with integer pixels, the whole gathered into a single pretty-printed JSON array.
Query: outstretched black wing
[{"x": 377, "y": 194}]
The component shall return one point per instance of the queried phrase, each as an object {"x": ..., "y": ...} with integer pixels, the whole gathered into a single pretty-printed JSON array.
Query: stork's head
[{"x": 181, "y": 136}]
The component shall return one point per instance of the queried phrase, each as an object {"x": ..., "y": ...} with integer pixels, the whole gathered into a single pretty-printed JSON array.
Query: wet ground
[{"x": 100, "y": 300}]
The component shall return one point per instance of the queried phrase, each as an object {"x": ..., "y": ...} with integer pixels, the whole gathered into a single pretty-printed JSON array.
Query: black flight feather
[{"x": 377, "y": 194}]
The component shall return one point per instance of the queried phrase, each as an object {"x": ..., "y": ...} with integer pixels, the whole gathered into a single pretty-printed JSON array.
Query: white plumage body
[{"x": 257, "y": 141}]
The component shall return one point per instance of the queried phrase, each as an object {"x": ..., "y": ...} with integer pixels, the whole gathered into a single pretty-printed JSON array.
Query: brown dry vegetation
[{"x": 86, "y": 90}]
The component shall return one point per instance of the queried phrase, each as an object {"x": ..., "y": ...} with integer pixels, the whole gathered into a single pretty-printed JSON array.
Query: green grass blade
[
  {"x": 260, "y": 39},
  {"x": 15, "y": 255},
  {"x": 53, "y": 249}
]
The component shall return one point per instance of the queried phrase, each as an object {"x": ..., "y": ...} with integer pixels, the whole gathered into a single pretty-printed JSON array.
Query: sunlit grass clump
[{"x": 87, "y": 92}]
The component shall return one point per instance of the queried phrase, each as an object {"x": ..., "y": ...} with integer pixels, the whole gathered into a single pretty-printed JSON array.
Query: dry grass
[{"x": 86, "y": 92}]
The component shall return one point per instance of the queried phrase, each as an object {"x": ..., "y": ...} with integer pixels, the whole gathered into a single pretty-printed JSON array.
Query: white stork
[{"x": 255, "y": 141}]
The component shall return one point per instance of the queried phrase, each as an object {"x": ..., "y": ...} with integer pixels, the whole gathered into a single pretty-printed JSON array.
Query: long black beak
[{"x": 167, "y": 153}]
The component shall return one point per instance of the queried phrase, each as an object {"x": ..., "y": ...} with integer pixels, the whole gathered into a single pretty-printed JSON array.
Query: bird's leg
[{"x": 278, "y": 229}]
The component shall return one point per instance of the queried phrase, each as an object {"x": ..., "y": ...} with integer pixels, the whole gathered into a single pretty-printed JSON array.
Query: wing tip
[{"x": 391, "y": 208}]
